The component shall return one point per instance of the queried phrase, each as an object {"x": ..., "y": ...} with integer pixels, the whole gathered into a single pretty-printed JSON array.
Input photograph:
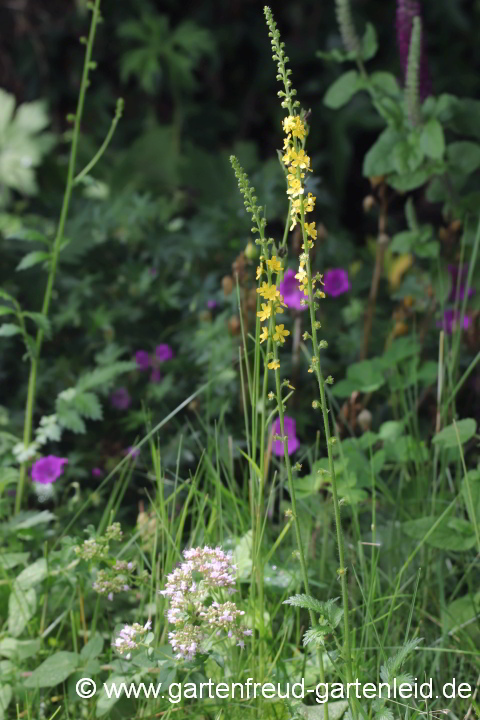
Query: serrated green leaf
[
  {"x": 343, "y": 89},
  {"x": 455, "y": 534},
  {"x": 32, "y": 258},
  {"x": 88, "y": 405},
  {"x": 40, "y": 321},
  {"x": 54, "y": 670},
  {"x": 432, "y": 139},
  {"x": 104, "y": 376}
]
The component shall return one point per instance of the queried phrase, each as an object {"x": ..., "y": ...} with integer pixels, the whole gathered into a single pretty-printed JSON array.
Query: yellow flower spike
[
  {"x": 301, "y": 275},
  {"x": 274, "y": 264},
  {"x": 273, "y": 365},
  {"x": 293, "y": 124},
  {"x": 301, "y": 159},
  {"x": 265, "y": 312},
  {"x": 269, "y": 292},
  {"x": 280, "y": 333},
  {"x": 264, "y": 334}
]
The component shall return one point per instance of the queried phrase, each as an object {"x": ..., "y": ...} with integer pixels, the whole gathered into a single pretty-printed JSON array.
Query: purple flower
[
  {"x": 289, "y": 426},
  {"x": 153, "y": 271},
  {"x": 155, "y": 375},
  {"x": 212, "y": 304},
  {"x": 336, "y": 282},
  {"x": 291, "y": 292},
  {"x": 163, "y": 352},
  {"x": 132, "y": 452},
  {"x": 142, "y": 358},
  {"x": 451, "y": 320},
  {"x": 454, "y": 272},
  {"x": 48, "y": 469},
  {"x": 406, "y": 11},
  {"x": 120, "y": 398},
  {"x": 97, "y": 472}
]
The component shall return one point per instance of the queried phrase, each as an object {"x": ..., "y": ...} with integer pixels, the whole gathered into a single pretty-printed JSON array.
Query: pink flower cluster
[
  {"x": 205, "y": 573},
  {"x": 130, "y": 636}
]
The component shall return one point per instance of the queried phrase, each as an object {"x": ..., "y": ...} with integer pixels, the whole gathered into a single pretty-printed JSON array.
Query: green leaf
[
  {"x": 9, "y": 329},
  {"x": 33, "y": 574},
  {"x": 88, "y": 405},
  {"x": 40, "y": 321},
  {"x": 6, "y": 311},
  {"x": 343, "y": 89},
  {"x": 53, "y": 671},
  {"x": 93, "y": 648},
  {"x": 104, "y": 376},
  {"x": 432, "y": 139},
  {"x": 21, "y": 608},
  {"x": 447, "y": 438},
  {"x": 5, "y": 698},
  {"x": 19, "y": 650},
  {"x": 317, "y": 712},
  {"x": 33, "y": 258},
  {"x": 464, "y": 156},
  {"x": 379, "y": 159},
  {"x": 471, "y": 495},
  {"x": 455, "y": 534},
  {"x": 369, "y": 42},
  {"x": 31, "y": 519},
  {"x": 11, "y": 560},
  {"x": 29, "y": 235},
  {"x": 409, "y": 181},
  {"x": 105, "y": 703}
]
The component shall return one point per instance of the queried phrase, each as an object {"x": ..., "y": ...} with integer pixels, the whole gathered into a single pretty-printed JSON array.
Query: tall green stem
[{"x": 32, "y": 380}]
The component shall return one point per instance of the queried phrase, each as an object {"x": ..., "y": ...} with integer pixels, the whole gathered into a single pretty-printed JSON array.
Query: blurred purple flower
[
  {"x": 142, "y": 358},
  {"x": 291, "y": 292},
  {"x": 406, "y": 11},
  {"x": 132, "y": 452},
  {"x": 163, "y": 352},
  {"x": 336, "y": 282},
  {"x": 48, "y": 469},
  {"x": 212, "y": 304},
  {"x": 155, "y": 375},
  {"x": 153, "y": 271},
  {"x": 120, "y": 398},
  {"x": 290, "y": 427},
  {"x": 454, "y": 272},
  {"x": 451, "y": 320},
  {"x": 97, "y": 472}
]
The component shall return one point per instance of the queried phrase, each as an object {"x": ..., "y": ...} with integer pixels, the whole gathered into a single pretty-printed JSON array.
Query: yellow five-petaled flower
[
  {"x": 265, "y": 312},
  {"x": 264, "y": 334},
  {"x": 274, "y": 264},
  {"x": 273, "y": 365},
  {"x": 280, "y": 333},
  {"x": 269, "y": 292}
]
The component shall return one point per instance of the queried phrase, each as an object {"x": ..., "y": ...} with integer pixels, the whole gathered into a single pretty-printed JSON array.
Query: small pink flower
[
  {"x": 212, "y": 304},
  {"x": 290, "y": 289},
  {"x": 142, "y": 358},
  {"x": 290, "y": 427},
  {"x": 133, "y": 452},
  {"x": 97, "y": 472},
  {"x": 163, "y": 352},
  {"x": 336, "y": 282},
  {"x": 48, "y": 469}
]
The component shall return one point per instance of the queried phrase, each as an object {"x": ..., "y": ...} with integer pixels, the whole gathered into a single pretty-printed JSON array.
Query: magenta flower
[
  {"x": 211, "y": 304},
  {"x": 290, "y": 289},
  {"x": 97, "y": 472},
  {"x": 290, "y": 426},
  {"x": 336, "y": 282},
  {"x": 451, "y": 319},
  {"x": 163, "y": 352},
  {"x": 406, "y": 11},
  {"x": 132, "y": 452},
  {"x": 454, "y": 272},
  {"x": 48, "y": 469},
  {"x": 155, "y": 375},
  {"x": 142, "y": 358},
  {"x": 120, "y": 398}
]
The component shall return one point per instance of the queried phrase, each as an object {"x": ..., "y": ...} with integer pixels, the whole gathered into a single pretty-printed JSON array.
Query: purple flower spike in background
[
  {"x": 48, "y": 469},
  {"x": 120, "y": 398},
  {"x": 163, "y": 352},
  {"x": 336, "y": 282},
  {"x": 453, "y": 270},
  {"x": 290, "y": 427},
  {"x": 142, "y": 358},
  {"x": 450, "y": 321},
  {"x": 406, "y": 11},
  {"x": 155, "y": 375},
  {"x": 290, "y": 289}
]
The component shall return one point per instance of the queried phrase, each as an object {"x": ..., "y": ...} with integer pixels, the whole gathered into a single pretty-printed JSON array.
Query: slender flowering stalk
[
  {"x": 412, "y": 83},
  {"x": 59, "y": 237},
  {"x": 298, "y": 164},
  {"x": 347, "y": 28},
  {"x": 407, "y": 10}
]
